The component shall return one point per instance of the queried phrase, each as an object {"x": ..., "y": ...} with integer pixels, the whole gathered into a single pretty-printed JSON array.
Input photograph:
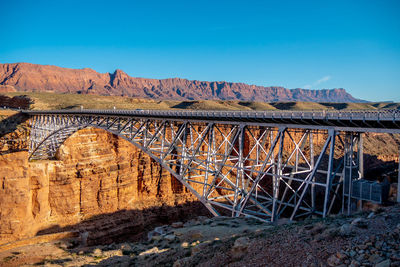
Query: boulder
[
  {"x": 360, "y": 222},
  {"x": 97, "y": 252},
  {"x": 177, "y": 225},
  {"x": 333, "y": 261},
  {"x": 346, "y": 230},
  {"x": 385, "y": 263},
  {"x": 240, "y": 247},
  {"x": 170, "y": 237}
]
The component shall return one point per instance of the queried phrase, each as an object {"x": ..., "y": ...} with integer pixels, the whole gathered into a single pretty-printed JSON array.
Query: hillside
[
  {"x": 26, "y": 77},
  {"x": 75, "y": 101}
]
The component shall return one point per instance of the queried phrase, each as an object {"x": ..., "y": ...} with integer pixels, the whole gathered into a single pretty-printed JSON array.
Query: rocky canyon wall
[{"x": 99, "y": 183}]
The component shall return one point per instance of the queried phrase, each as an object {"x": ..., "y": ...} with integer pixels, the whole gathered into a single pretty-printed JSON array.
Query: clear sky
[{"x": 296, "y": 44}]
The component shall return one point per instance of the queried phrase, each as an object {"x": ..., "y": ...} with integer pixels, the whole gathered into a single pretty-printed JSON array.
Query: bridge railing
[{"x": 381, "y": 114}]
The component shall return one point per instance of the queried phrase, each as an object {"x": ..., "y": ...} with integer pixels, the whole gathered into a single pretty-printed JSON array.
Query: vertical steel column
[
  {"x": 360, "y": 160},
  {"x": 277, "y": 177},
  {"x": 360, "y": 151},
  {"x": 164, "y": 133},
  {"x": 272, "y": 153},
  {"x": 332, "y": 136},
  {"x": 349, "y": 204},
  {"x": 184, "y": 152},
  {"x": 398, "y": 180},
  {"x": 32, "y": 138},
  {"x": 209, "y": 155},
  {"x": 144, "y": 132},
  {"x": 239, "y": 172},
  {"x": 348, "y": 172},
  {"x": 311, "y": 140}
]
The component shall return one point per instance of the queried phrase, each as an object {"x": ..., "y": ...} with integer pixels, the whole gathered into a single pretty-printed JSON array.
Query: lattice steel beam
[{"x": 232, "y": 168}]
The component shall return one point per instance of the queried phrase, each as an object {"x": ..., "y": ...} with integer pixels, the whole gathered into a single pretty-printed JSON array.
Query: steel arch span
[{"x": 246, "y": 170}]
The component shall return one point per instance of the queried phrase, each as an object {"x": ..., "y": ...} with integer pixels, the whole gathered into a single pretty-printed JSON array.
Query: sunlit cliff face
[
  {"x": 95, "y": 173},
  {"x": 45, "y": 78}
]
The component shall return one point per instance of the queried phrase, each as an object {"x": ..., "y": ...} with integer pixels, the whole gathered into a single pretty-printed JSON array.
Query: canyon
[
  {"x": 26, "y": 77},
  {"x": 104, "y": 188},
  {"x": 99, "y": 184}
]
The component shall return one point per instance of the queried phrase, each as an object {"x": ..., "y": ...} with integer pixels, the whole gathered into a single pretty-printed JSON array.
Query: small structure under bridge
[{"x": 259, "y": 164}]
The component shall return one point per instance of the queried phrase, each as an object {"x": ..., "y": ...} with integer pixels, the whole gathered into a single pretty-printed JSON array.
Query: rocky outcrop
[
  {"x": 99, "y": 184},
  {"x": 45, "y": 78},
  {"x": 14, "y": 132},
  {"x": 22, "y": 102}
]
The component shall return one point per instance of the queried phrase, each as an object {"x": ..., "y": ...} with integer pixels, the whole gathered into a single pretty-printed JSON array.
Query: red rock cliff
[
  {"x": 45, "y": 78},
  {"x": 96, "y": 174}
]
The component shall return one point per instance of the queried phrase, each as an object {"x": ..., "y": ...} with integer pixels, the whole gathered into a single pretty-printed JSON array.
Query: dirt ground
[{"x": 369, "y": 238}]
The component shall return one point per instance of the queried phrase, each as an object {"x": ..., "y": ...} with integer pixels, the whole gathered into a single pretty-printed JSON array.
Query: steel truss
[{"x": 234, "y": 168}]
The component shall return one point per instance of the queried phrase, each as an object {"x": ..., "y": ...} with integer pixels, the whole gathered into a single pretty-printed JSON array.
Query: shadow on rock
[
  {"x": 14, "y": 133},
  {"x": 128, "y": 225}
]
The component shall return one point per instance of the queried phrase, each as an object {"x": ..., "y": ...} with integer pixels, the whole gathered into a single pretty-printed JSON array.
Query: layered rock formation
[
  {"x": 100, "y": 184},
  {"x": 45, "y": 78}
]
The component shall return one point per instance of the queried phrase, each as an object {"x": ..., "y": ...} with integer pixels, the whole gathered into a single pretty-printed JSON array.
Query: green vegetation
[{"x": 44, "y": 101}]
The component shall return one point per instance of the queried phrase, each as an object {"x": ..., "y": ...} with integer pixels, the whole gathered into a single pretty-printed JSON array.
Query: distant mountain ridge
[{"x": 46, "y": 78}]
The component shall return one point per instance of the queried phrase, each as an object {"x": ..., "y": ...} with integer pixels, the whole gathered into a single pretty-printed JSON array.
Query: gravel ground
[{"x": 370, "y": 238}]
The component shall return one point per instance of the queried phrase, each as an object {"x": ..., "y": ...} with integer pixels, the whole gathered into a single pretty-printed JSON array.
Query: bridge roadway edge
[{"x": 348, "y": 121}]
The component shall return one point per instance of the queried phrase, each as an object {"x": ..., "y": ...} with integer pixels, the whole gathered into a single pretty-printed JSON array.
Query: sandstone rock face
[
  {"x": 14, "y": 132},
  {"x": 96, "y": 174},
  {"x": 45, "y": 78}
]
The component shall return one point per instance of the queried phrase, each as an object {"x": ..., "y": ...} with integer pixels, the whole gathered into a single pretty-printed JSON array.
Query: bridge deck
[{"x": 349, "y": 120}]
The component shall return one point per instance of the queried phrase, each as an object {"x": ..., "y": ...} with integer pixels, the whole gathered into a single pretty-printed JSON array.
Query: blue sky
[{"x": 296, "y": 44}]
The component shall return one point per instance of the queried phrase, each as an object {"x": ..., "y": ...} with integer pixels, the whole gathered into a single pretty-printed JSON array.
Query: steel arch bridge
[{"x": 255, "y": 164}]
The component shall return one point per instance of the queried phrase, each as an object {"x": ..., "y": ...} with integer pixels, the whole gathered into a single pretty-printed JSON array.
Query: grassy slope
[{"x": 75, "y": 101}]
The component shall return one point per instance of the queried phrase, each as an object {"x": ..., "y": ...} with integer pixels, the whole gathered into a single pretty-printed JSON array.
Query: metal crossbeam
[{"x": 234, "y": 168}]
